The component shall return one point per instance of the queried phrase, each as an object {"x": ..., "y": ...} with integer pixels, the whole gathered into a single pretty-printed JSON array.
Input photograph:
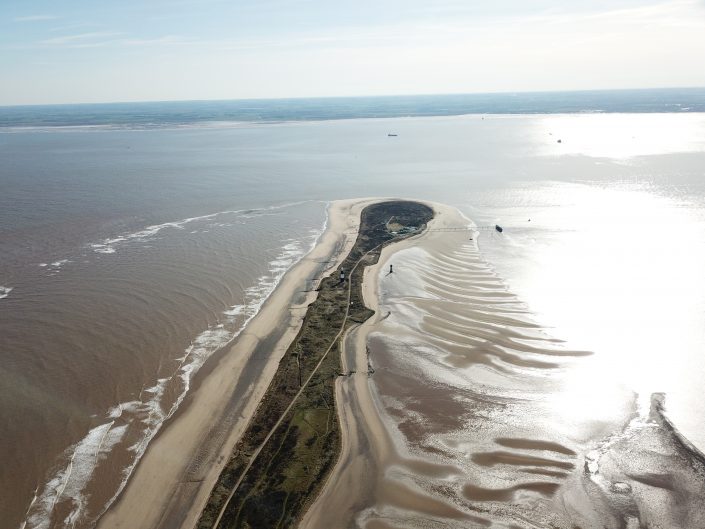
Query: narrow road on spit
[{"x": 303, "y": 387}]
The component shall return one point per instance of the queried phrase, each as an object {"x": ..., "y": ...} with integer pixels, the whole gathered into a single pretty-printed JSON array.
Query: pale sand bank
[
  {"x": 463, "y": 412},
  {"x": 172, "y": 481}
]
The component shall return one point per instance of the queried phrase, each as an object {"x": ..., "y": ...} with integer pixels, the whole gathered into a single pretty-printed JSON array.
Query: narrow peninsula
[{"x": 293, "y": 440}]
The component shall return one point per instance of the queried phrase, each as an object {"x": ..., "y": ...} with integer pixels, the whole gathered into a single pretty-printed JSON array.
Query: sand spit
[
  {"x": 463, "y": 412},
  {"x": 175, "y": 476},
  {"x": 292, "y": 443}
]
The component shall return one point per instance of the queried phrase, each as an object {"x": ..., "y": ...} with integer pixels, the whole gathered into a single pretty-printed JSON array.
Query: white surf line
[
  {"x": 106, "y": 246},
  {"x": 102, "y": 440},
  {"x": 31, "y": 503},
  {"x": 66, "y": 481}
]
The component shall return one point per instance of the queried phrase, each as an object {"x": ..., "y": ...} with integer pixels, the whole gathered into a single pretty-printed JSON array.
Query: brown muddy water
[{"x": 129, "y": 255}]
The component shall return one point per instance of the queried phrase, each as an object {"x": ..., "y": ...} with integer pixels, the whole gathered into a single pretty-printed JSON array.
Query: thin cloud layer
[
  {"x": 35, "y": 18},
  {"x": 296, "y": 48}
]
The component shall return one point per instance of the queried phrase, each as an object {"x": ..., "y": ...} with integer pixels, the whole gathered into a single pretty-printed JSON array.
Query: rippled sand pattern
[
  {"x": 457, "y": 419},
  {"x": 459, "y": 368}
]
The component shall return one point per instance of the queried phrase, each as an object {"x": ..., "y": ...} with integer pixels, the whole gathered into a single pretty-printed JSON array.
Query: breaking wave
[{"x": 110, "y": 245}]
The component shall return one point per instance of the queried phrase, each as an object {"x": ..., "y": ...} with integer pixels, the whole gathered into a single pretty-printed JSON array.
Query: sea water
[{"x": 132, "y": 249}]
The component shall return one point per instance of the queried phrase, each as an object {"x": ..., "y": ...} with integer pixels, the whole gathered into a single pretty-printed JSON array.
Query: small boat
[
  {"x": 392, "y": 135},
  {"x": 498, "y": 228}
]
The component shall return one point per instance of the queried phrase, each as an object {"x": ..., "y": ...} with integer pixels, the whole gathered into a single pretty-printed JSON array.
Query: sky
[{"x": 81, "y": 51}]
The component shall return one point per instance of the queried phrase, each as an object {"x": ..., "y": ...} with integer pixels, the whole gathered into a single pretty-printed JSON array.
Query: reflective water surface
[{"x": 129, "y": 256}]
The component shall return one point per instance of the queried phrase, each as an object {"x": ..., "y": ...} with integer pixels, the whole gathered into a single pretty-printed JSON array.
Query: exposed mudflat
[{"x": 464, "y": 412}]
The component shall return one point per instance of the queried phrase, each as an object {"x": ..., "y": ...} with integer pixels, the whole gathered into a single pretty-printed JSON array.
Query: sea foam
[
  {"x": 5, "y": 291},
  {"x": 110, "y": 245}
]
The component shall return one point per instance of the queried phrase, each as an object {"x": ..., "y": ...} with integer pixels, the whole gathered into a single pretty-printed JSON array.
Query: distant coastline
[{"x": 169, "y": 114}]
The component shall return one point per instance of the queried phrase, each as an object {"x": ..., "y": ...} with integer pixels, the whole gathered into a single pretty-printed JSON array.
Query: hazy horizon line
[{"x": 368, "y": 96}]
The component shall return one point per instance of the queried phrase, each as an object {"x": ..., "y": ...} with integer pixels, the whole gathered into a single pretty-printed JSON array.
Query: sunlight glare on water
[
  {"x": 620, "y": 136},
  {"x": 610, "y": 253},
  {"x": 618, "y": 270}
]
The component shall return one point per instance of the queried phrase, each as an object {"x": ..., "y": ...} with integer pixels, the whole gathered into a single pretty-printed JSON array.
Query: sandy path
[{"x": 175, "y": 476}]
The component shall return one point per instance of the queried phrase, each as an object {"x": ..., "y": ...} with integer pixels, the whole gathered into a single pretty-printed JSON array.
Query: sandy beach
[{"x": 175, "y": 476}]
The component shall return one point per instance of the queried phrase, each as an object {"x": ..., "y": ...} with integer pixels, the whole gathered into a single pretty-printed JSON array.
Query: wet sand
[
  {"x": 175, "y": 476},
  {"x": 463, "y": 412}
]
